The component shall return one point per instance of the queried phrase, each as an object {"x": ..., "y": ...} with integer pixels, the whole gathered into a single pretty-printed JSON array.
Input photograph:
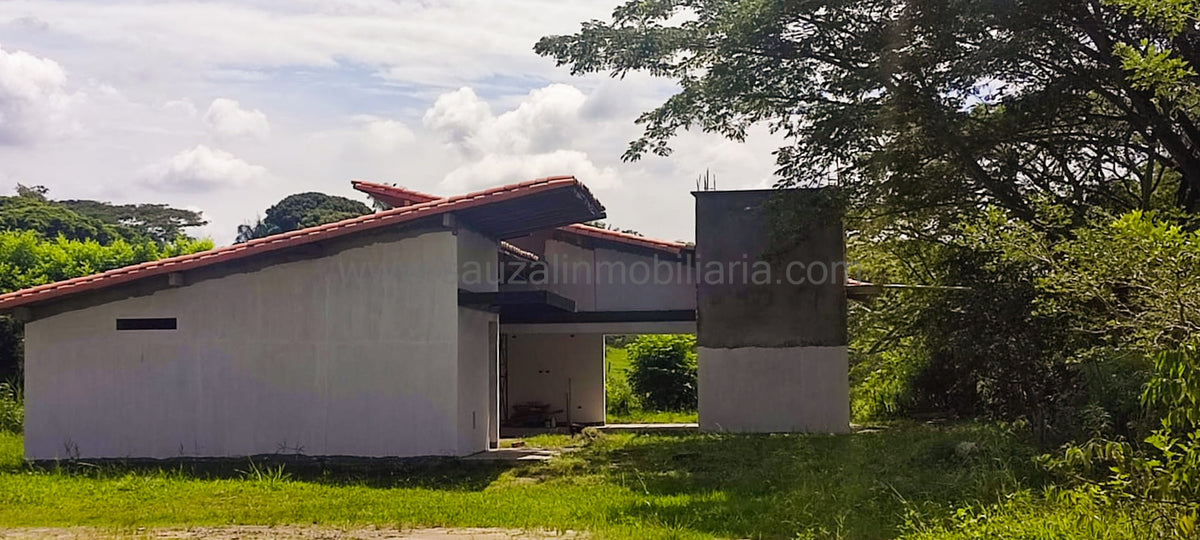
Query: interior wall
[
  {"x": 494, "y": 384},
  {"x": 545, "y": 367},
  {"x": 570, "y": 273},
  {"x": 355, "y": 353}
]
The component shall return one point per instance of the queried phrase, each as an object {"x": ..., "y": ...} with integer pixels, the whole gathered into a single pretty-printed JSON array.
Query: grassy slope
[
  {"x": 859, "y": 486},
  {"x": 617, "y": 359}
]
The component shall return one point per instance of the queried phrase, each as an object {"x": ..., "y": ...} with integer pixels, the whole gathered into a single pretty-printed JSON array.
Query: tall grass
[{"x": 12, "y": 408}]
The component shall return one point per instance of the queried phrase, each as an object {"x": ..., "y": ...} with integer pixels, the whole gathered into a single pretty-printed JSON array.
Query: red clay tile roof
[
  {"x": 290, "y": 239},
  {"x": 393, "y": 195},
  {"x": 633, "y": 239},
  {"x": 399, "y": 196}
]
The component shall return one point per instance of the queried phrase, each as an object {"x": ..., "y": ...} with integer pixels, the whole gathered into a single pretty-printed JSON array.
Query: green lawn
[
  {"x": 654, "y": 417},
  {"x": 617, "y": 360},
  {"x": 617, "y": 486}
]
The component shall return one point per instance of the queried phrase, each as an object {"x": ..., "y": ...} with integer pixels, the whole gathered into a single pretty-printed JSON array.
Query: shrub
[
  {"x": 977, "y": 348},
  {"x": 882, "y": 382},
  {"x": 1133, "y": 286},
  {"x": 1160, "y": 479},
  {"x": 12, "y": 348},
  {"x": 663, "y": 372},
  {"x": 12, "y": 409},
  {"x": 619, "y": 396},
  {"x": 1053, "y": 330}
]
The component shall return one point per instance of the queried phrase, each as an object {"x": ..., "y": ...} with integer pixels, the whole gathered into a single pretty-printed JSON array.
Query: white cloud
[
  {"x": 385, "y": 136},
  {"x": 459, "y": 116},
  {"x": 495, "y": 169},
  {"x": 409, "y": 42},
  {"x": 354, "y": 89},
  {"x": 34, "y": 100},
  {"x": 534, "y": 139},
  {"x": 545, "y": 120},
  {"x": 227, "y": 120},
  {"x": 201, "y": 169},
  {"x": 183, "y": 106}
]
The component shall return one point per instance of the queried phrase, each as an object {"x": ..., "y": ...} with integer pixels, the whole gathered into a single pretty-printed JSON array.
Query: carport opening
[{"x": 560, "y": 382}]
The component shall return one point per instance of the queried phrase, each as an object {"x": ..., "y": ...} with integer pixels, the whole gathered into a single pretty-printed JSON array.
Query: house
[{"x": 422, "y": 329}]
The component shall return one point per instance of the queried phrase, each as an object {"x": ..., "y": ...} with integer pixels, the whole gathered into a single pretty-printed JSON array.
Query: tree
[
  {"x": 158, "y": 222},
  {"x": 928, "y": 108},
  {"x": 32, "y": 192},
  {"x": 663, "y": 371},
  {"x": 32, "y": 210},
  {"x": 300, "y": 211},
  {"x": 50, "y": 220}
]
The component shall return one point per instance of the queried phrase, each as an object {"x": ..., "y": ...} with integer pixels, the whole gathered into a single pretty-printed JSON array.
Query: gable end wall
[{"x": 350, "y": 354}]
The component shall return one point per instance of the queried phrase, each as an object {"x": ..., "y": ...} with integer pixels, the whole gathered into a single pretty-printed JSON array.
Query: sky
[{"x": 227, "y": 107}]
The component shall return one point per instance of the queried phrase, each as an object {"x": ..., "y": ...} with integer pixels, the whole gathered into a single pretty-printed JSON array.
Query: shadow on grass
[
  {"x": 447, "y": 474},
  {"x": 855, "y": 486}
]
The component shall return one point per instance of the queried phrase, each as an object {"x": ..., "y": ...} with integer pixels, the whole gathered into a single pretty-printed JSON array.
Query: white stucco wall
[
  {"x": 477, "y": 376},
  {"x": 573, "y": 273},
  {"x": 766, "y": 390},
  {"x": 476, "y": 405},
  {"x": 540, "y": 366},
  {"x": 614, "y": 280},
  {"x": 478, "y": 269},
  {"x": 302, "y": 357},
  {"x": 648, "y": 283}
]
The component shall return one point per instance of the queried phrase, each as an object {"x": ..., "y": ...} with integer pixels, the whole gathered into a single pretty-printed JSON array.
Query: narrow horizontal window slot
[{"x": 147, "y": 324}]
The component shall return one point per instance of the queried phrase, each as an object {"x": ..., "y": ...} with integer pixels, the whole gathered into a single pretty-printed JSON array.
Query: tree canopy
[
  {"x": 32, "y": 210},
  {"x": 300, "y": 211},
  {"x": 51, "y": 220},
  {"x": 1040, "y": 156},
  {"x": 158, "y": 222},
  {"x": 928, "y": 107}
]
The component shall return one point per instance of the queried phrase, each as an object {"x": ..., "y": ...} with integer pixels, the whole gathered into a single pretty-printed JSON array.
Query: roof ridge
[
  {"x": 367, "y": 187},
  {"x": 374, "y": 188},
  {"x": 625, "y": 235}
]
